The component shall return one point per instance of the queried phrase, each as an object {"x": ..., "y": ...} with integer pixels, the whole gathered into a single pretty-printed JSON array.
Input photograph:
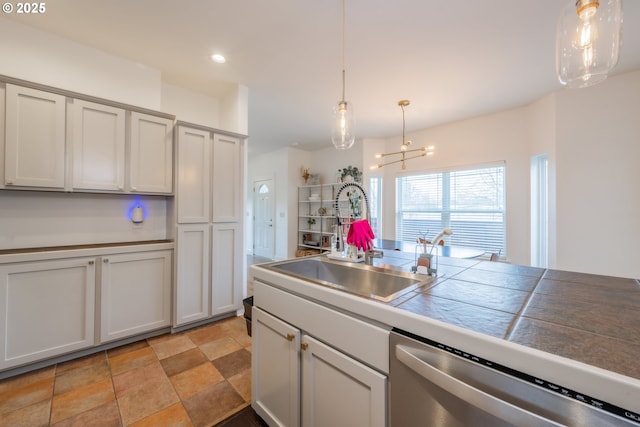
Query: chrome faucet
[
  {"x": 371, "y": 254},
  {"x": 339, "y": 233}
]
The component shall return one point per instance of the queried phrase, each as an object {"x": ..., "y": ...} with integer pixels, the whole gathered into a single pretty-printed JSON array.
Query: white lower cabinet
[
  {"x": 192, "y": 273},
  {"x": 46, "y": 309},
  {"x": 208, "y": 271},
  {"x": 59, "y": 303},
  {"x": 297, "y": 380},
  {"x": 135, "y": 294}
]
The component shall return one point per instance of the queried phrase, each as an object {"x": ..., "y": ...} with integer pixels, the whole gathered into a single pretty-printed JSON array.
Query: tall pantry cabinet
[{"x": 209, "y": 226}]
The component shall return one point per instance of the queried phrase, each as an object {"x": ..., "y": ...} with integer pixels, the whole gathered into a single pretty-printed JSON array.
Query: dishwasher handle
[{"x": 473, "y": 396}]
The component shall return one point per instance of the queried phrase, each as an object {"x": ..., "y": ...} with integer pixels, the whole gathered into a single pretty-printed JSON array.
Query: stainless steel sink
[{"x": 363, "y": 280}]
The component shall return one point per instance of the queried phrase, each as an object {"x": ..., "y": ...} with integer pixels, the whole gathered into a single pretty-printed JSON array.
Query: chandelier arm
[{"x": 404, "y": 151}]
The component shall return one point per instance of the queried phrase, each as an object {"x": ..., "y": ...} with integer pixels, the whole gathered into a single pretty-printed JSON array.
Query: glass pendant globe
[
  {"x": 588, "y": 41},
  {"x": 342, "y": 135}
]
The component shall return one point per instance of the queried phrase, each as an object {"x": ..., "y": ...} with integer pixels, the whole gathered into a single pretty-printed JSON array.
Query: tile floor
[{"x": 196, "y": 378}]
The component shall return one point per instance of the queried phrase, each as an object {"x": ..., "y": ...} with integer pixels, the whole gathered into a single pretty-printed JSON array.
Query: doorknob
[
  {"x": 304, "y": 346},
  {"x": 290, "y": 337}
]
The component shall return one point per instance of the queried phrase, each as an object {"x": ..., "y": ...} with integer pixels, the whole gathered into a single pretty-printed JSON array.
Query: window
[
  {"x": 539, "y": 211},
  {"x": 470, "y": 202},
  {"x": 375, "y": 201}
]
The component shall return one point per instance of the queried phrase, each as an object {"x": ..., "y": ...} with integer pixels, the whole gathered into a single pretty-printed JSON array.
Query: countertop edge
[
  {"x": 596, "y": 382},
  {"x": 50, "y": 253}
]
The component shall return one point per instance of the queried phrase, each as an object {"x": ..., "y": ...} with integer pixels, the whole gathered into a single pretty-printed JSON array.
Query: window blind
[{"x": 470, "y": 202}]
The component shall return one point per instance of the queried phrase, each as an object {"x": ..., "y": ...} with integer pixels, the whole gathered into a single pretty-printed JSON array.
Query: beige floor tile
[
  {"x": 169, "y": 347},
  {"x": 173, "y": 416},
  {"x": 242, "y": 384},
  {"x": 35, "y": 415},
  {"x": 23, "y": 380},
  {"x": 81, "y": 363},
  {"x": 149, "y": 398},
  {"x": 136, "y": 378},
  {"x": 106, "y": 415},
  {"x": 117, "y": 351},
  {"x": 14, "y": 399},
  {"x": 80, "y": 377},
  {"x": 82, "y": 399},
  {"x": 207, "y": 333},
  {"x": 220, "y": 347},
  {"x": 132, "y": 360},
  {"x": 195, "y": 380}
]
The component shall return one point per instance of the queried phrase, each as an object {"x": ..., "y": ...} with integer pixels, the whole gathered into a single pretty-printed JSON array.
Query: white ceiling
[{"x": 453, "y": 59}]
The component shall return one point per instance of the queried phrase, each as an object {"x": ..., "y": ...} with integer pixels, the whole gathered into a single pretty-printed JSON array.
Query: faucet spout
[{"x": 371, "y": 254}]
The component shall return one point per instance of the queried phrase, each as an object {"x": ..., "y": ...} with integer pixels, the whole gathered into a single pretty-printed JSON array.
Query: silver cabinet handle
[{"x": 476, "y": 397}]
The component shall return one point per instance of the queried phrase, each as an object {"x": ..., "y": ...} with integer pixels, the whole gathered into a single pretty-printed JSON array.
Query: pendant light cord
[
  {"x": 402, "y": 106},
  {"x": 343, "y": 49}
]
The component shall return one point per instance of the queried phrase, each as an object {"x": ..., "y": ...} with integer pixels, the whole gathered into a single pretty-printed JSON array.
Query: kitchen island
[{"x": 577, "y": 330}]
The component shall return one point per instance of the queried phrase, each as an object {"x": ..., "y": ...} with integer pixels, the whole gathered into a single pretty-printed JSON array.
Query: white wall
[
  {"x": 485, "y": 140},
  {"x": 40, "y": 57},
  {"x": 37, "y": 219},
  {"x": 327, "y": 161},
  {"x": 598, "y": 201}
]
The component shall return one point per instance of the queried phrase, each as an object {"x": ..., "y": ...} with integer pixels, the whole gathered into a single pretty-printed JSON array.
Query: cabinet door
[
  {"x": 46, "y": 309},
  {"x": 227, "y": 188},
  {"x": 338, "y": 390},
  {"x": 226, "y": 268},
  {"x": 192, "y": 273},
  {"x": 275, "y": 365},
  {"x": 135, "y": 294},
  {"x": 98, "y": 146},
  {"x": 35, "y": 138},
  {"x": 194, "y": 175},
  {"x": 151, "y": 154}
]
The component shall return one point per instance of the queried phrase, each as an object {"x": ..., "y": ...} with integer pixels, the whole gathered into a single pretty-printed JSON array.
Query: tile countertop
[
  {"x": 588, "y": 318},
  {"x": 577, "y": 330}
]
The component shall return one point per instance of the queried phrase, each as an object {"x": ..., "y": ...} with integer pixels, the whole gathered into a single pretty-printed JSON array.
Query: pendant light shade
[
  {"x": 588, "y": 41},
  {"x": 342, "y": 135}
]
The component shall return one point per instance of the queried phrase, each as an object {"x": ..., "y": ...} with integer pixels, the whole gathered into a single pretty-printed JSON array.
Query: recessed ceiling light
[{"x": 220, "y": 59}]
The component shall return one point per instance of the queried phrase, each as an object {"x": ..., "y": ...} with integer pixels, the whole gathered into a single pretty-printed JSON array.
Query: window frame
[{"x": 442, "y": 215}]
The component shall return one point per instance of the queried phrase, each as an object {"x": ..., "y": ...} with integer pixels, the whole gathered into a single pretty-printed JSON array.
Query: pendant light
[
  {"x": 404, "y": 148},
  {"x": 588, "y": 41},
  {"x": 342, "y": 133}
]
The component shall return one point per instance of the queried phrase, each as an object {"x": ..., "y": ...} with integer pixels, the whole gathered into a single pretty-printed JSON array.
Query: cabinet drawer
[{"x": 357, "y": 338}]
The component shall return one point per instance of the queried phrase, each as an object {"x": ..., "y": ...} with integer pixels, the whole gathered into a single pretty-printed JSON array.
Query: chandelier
[{"x": 404, "y": 148}]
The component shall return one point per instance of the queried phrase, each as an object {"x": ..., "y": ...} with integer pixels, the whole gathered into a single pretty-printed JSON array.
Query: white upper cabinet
[
  {"x": 151, "y": 154},
  {"x": 227, "y": 179},
  {"x": 98, "y": 146},
  {"x": 194, "y": 175},
  {"x": 35, "y": 138}
]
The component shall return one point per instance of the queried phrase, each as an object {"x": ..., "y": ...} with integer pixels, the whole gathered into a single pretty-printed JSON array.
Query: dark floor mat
[{"x": 245, "y": 418}]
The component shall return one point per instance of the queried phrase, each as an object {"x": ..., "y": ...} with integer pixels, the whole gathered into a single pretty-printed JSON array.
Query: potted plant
[
  {"x": 311, "y": 222},
  {"x": 350, "y": 174}
]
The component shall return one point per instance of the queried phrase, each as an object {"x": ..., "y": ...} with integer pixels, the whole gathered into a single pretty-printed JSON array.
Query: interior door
[{"x": 263, "y": 229}]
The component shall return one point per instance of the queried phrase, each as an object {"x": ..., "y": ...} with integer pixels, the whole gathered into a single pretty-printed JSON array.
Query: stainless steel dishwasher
[{"x": 432, "y": 384}]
